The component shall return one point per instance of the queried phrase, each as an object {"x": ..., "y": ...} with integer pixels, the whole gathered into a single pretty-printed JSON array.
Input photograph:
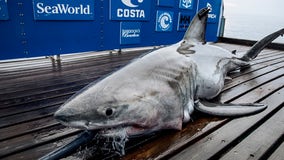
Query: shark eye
[{"x": 109, "y": 112}]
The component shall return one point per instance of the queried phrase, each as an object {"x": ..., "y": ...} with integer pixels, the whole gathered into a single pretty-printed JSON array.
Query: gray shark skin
[{"x": 161, "y": 89}]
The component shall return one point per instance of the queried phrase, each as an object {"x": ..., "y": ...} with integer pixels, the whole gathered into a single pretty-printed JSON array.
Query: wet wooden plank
[
  {"x": 257, "y": 73},
  {"x": 27, "y": 127},
  {"x": 264, "y": 90},
  {"x": 43, "y": 96},
  {"x": 40, "y": 150},
  {"x": 28, "y": 116},
  {"x": 254, "y": 146},
  {"x": 65, "y": 66},
  {"x": 256, "y": 67},
  {"x": 169, "y": 142},
  {"x": 34, "y": 140},
  {"x": 214, "y": 144},
  {"x": 278, "y": 153},
  {"x": 243, "y": 88},
  {"x": 55, "y": 76},
  {"x": 268, "y": 59},
  {"x": 33, "y": 106}
]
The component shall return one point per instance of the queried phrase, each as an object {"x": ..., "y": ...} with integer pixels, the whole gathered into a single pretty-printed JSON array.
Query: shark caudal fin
[
  {"x": 260, "y": 45},
  {"x": 229, "y": 110},
  {"x": 196, "y": 29}
]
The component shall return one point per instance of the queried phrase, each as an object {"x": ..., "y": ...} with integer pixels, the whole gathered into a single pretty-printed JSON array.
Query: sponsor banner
[
  {"x": 186, "y": 4},
  {"x": 164, "y": 21},
  {"x": 130, "y": 10},
  {"x": 212, "y": 15},
  {"x": 3, "y": 10},
  {"x": 130, "y": 32},
  {"x": 63, "y": 10},
  {"x": 184, "y": 20},
  {"x": 166, "y": 3}
]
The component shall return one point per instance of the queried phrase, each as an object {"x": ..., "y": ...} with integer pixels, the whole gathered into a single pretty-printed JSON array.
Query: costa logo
[
  {"x": 130, "y": 10},
  {"x": 130, "y": 4}
]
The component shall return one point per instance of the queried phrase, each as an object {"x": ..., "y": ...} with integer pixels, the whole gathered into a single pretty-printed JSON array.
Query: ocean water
[{"x": 253, "y": 27}]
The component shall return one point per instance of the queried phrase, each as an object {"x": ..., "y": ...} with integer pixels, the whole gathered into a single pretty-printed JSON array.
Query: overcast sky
[
  {"x": 253, "y": 19},
  {"x": 274, "y": 8}
]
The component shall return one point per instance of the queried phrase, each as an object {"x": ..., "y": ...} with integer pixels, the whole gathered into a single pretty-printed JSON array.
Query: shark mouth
[
  {"x": 109, "y": 130},
  {"x": 115, "y": 137}
]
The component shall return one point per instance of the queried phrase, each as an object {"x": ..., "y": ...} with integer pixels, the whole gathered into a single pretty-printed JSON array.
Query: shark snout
[
  {"x": 71, "y": 118},
  {"x": 65, "y": 115},
  {"x": 60, "y": 116}
]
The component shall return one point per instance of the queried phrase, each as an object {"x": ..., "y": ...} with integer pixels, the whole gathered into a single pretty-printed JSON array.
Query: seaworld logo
[
  {"x": 63, "y": 9},
  {"x": 130, "y": 9}
]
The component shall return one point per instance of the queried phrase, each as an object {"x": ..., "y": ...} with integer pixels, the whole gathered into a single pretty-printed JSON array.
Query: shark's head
[
  {"x": 110, "y": 106},
  {"x": 145, "y": 98}
]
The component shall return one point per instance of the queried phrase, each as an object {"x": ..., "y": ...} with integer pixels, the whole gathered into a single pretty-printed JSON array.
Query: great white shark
[{"x": 161, "y": 89}]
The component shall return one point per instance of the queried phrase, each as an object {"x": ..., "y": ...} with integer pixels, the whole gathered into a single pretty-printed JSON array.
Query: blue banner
[
  {"x": 186, "y": 4},
  {"x": 164, "y": 21},
  {"x": 166, "y": 3},
  {"x": 184, "y": 20},
  {"x": 130, "y": 32},
  {"x": 63, "y": 9},
  {"x": 3, "y": 10},
  {"x": 130, "y": 10}
]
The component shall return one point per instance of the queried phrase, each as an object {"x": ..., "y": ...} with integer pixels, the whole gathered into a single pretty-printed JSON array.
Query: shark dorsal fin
[
  {"x": 196, "y": 29},
  {"x": 194, "y": 33}
]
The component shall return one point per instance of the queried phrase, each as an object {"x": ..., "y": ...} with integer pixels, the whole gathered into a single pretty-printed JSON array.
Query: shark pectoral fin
[
  {"x": 187, "y": 110},
  {"x": 228, "y": 110}
]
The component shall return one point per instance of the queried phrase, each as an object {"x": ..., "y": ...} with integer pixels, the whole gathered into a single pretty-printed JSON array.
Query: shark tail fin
[
  {"x": 260, "y": 45},
  {"x": 196, "y": 29},
  {"x": 229, "y": 110}
]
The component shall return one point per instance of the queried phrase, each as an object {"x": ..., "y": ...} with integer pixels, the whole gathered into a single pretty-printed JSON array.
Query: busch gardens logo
[
  {"x": 63, "y": 10},
  {"x": 130, "y": 32}
]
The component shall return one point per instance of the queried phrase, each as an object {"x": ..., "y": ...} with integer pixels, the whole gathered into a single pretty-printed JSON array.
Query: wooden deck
[{"x": 32, "y": 90}]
